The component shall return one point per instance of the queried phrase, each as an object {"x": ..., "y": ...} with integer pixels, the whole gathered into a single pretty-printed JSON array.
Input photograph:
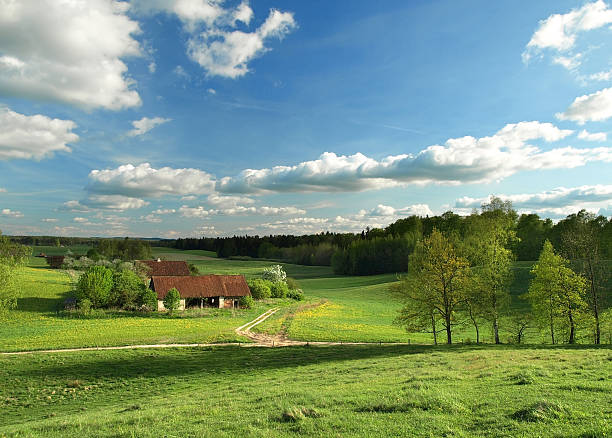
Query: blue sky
[{"x": 175, "y": 118}]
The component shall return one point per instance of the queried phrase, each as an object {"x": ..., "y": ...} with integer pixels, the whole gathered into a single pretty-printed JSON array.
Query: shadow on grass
[{"x": 136, "y": 364}]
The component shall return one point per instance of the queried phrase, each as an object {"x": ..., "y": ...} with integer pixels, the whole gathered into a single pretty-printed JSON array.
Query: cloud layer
[
  {"x": 34, "y": 137},
  {"x": 68, "y": 51}
]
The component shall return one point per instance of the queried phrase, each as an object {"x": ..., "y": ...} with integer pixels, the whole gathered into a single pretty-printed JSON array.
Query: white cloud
[
  {"x": 2, "y": 190},
  {"x": 164, "y": 211},
  {"x": 601, "y": 76},
  {"x": 144, "y": 181},
  {"x": 460, "y": 160},
  {"x": 34, "y": 137},
  {"x": 73, "y": 206},
  {"x": 49, "y": 220},
  {"x": 228, "y": 201},
  {"x": 114, "y": 202},
  {"x": 151, "y": 218},
  {"x": 214, "y": 41},
  {"x": 212, "y": 91},
  {"x": 560, "y": 31},
  {"x": 592, "y": 136},
  {"x": 387, "y": 211},
  {"x": 180, "y": 72},
  {"x": 80, "y": 220},
  {"x": 152, "y": 67},
  {"x": 68, "y": 51},
  {"x": 560, "y": 201},
  {"x": 11, "y": 213},
  {"x": 145, "y": 124},
  {"x": 569, "y": 62},
  {"x": 239, "y": 210},
  {"x": 590, "y": 107}
]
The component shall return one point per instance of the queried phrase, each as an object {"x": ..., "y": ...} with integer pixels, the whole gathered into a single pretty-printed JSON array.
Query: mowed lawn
[
  {"x": 340, "y": 391},
  {"x": 36, "y": 324}
]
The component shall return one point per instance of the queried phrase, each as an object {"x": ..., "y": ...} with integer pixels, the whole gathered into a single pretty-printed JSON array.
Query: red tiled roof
[
  {"x": 201, "y": 286},
  {"x": 164, "y": 267}
]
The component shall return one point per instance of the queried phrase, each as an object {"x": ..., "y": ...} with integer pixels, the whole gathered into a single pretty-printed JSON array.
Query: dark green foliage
[
  {"x": 172, "y": 300},
  {"x": 296, "y": 294},
  {"x": 127, "y": 288},
  {"x": 260, "y": 289},
  {"x": 125, "y": 249},
  {"x": 93, "y": 254},
  {"x": 95, "y": 285},
  {"x": 193, "y": 269},
  {"x": 376, "y": 256},
  {"x": 246, "y": 302},
  {"x": 292, "y": 283},
  {"x": 279, "y": 289}
]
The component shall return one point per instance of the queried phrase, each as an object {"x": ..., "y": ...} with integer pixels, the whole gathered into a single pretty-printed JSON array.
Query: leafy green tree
[
  {"x": 95, "y": 285},
  {"x": 556, "y": 293},
  {"x": 260, "y": 289},
  {"x": 279, "y": 289},
  {"x": 13, "y": 256},
  {"x": 148, "y": 299},
  {"x": 437, "y": 284},
  {"x": 172, "y": 301},
  {"x": 127, "y": 287}
]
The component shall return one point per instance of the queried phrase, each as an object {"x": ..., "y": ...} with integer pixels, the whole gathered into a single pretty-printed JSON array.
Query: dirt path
[{"x": 259, "y": 340}]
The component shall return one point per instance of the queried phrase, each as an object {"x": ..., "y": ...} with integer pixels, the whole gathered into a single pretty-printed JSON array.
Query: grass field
[
  {"x": 371, "y": 391},
  {"x": 36, "y": 325}
]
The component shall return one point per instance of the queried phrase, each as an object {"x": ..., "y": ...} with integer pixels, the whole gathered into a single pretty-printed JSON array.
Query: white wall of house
[{"x": 160, "y": 305}]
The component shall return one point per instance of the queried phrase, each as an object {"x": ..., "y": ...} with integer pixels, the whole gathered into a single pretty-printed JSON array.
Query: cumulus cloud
[
  {"x": 80, "y": 220},
  {"x": 69, "y": 51},
  {"x": 239, "y": 210},
  {"x": 164, "y": 211},
  {"x": 590, "y": 107},
  {"x": 11, "y": 213},
  {"x": 114, "y": 202},
  {"x": 387, "y": 211},
  {"x": 215, "y": 43},
  {"x": 601, "y": 76},
  {"x": 228, "y": 201},
  {"x": 145, "y": 124},
  {"x": 49, "y": 220},
  {"x": 560, "y": 201},
  {"x": 33, "y": 137},
  {"x": 459, "y": 160},
  {"x": 559, "y": 32},
  {"x": 592, "y": 136},
  {"x": 144, "y": 181}
]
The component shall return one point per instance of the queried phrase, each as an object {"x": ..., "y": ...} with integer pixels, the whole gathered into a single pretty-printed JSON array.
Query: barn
[
  {"x": 222, "y": 291},
  {"x": 164, "y": 267}
]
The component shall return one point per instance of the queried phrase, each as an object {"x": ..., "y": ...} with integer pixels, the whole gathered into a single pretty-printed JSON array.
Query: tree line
[{"x": 463, "y": 277}]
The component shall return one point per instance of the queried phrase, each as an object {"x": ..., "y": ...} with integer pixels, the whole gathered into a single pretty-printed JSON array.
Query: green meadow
[{"x": 343, "y": 391}]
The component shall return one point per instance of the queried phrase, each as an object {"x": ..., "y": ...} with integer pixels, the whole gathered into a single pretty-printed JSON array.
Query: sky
[{"x": 190, "y": 118}]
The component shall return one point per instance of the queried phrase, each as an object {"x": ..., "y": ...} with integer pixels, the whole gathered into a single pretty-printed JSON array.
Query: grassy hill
[{"x": 348, "y": 391}]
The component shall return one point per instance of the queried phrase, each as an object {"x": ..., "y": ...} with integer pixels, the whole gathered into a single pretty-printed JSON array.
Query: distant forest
[{"x": 376, "y": 250}]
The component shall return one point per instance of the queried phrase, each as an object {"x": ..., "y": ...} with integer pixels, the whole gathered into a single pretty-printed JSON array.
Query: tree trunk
[
  {"x": 433, "y": 329},
  {"x": 552, "y": 324},
  {"x": 449, "y": 337},
  {"x": 595, "y": 300},
  {"x": 572, "y": 339},
  {"x": 496, "y": 329}
]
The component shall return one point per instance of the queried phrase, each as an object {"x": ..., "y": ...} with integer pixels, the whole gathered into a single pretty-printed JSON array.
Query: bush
[
  {"x": 296, "y": 294},
  {"x": 147, "y": 300},
  {"x": 85, "y": 306},
  {"x": 279, "y": 289},
  {"x": 172, "y": 300},
  {"x": 260, "y": 289},
  {"x": 274, "y": 274},
  {"x": 246, "y": 302},
  {"x": 95, "y": 285},
  {"x": 292, "y": 283},
  {"x": 127, "y": 287}
]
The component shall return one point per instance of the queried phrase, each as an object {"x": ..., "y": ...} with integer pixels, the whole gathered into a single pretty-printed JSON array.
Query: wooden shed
[
  {"x": 55, "y": 261},
  {"x": 222, "y": 291}
]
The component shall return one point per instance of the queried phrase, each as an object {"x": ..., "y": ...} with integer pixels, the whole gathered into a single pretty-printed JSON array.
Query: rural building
[
  {"x": 55, "y": 261},
  {"x": 162, "y": 267},
  {"x": 222, "y": 291}
]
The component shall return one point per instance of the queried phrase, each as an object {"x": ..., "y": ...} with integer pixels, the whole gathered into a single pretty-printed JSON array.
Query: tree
[
  {"x": 172, "y": 300},
  {"x": 556, "y": 293},
  {"x": 259, "y": 288},
  {"x": 437, "y": 283},
  {"x": 95, "y": 284},
  {"x": 147, "y": 299},
  {"x": 518, "y": 323},
  {"x": 127, "y": 287},
  {"x": 12, "y": 257},
  {"x": 487, "y": 248},
  {"x": 581, "y": 243},
  {"x": 274, "y": 273}
]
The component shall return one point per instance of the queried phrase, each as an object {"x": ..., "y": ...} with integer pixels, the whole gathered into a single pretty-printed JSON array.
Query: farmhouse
[
  {"x": 162, "y": 267},
  {"x": 222, "y": 291}
]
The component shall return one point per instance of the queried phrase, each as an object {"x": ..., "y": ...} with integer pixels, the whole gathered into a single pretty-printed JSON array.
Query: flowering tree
[{"x": 274, "y": 273}]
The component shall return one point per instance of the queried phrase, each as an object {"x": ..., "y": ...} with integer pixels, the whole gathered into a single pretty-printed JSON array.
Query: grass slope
[{"x": 372, "y": 391}]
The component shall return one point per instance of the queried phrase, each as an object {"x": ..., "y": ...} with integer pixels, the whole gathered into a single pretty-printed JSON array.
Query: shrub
[
  {"x": 246, "y": 302},
  {"x": 172, "y": 300},
  {"x": 95, "y": 285},
  {"x": 193, "y": 269},
  {"x": 274, "y": 273},
  {"x": 279, "y": 289},
  {"x": 260, "y": 289},
  {"x": 292, "y": 283},
  {"x": 296, "y": 294},
  {"x": 147, "y": 300},
  {"x": 127, "y": 287},
  {"x": 85, "y": 306}
]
